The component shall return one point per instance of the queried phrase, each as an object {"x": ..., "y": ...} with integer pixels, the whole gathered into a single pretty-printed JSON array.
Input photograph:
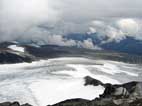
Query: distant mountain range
[
  {"x": 32, "y": 53},
  {"x": 128, "y": 45}
]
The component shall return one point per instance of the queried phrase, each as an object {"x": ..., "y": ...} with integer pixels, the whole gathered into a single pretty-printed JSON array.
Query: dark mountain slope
[
  {"x": 128, "y": 45},
  {"x": 51, "y": 51},
  {"x": 10, "y": 57}
]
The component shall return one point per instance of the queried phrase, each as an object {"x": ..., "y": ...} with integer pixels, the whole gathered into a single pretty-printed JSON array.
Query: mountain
[
  {"x": 15, "y": 53},
  {"x": 11, "y": 53},
  {"x": 128, "y": 45},
  {"x": 75, "y": 76}
]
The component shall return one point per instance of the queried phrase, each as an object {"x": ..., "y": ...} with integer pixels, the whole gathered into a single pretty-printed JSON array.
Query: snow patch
[
  {"x": 56, "y": 90},
  {"x": 16, "y": 48}
]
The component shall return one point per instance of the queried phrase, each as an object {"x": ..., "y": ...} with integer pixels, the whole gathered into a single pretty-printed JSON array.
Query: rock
[
  {"x": 121, "y": 91},
  {"x": 72, "y": 102},
  {"x": 26, "y": 104},
  {"x": 128, "y": 94},
  {"x": 127, "y": 90},
  {"x": 91, "y": 81},
  {"x": 108, "y": 90},
  {"x": 137, "y": 102},
  {"x": 13, "y": 104},
  {"x": 5, "y": 104}
]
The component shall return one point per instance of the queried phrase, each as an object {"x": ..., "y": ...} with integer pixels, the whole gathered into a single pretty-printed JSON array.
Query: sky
[{"x": 51, "y": 20}]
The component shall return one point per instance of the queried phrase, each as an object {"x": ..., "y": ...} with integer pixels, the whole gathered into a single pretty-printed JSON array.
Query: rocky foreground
[{"x": 128, "y": 94}]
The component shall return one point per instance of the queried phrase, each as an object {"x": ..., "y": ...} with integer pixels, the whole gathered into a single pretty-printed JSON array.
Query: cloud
[
  {"x": 44, "y": 20},
  {"x": 117, "y": 29},
  {"x": 88, "y": 44},
  {"x": 19, "y": 16},
  {"x": 59, "y": 40},
  {"x": 128, "y": 26},
  {"x": 91, "y": 30}
]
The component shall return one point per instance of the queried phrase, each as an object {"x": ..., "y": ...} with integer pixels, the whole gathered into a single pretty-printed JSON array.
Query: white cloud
[
  {"x": 59, "y": 40},
  {"x": 88, "y": 43},
  {"x": 20, "y": 19},
  {"x": 118, "y": 29},
  {"x": 91, "y": 30},
  {"x": 128, "y": 26},
  {"x": 19, "y": 16}
]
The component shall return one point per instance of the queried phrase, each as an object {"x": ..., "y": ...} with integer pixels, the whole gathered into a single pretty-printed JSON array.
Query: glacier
[{"x": 50, "y": 81}]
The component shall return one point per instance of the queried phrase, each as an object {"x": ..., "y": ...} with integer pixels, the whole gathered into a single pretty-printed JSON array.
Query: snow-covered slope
[
  {"x": 50, "y": 81},
  {"x": 16, "y": 48}
]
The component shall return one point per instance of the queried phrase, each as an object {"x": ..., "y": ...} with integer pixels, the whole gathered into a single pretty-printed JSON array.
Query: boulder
[{"x": 92, "y": 81}]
